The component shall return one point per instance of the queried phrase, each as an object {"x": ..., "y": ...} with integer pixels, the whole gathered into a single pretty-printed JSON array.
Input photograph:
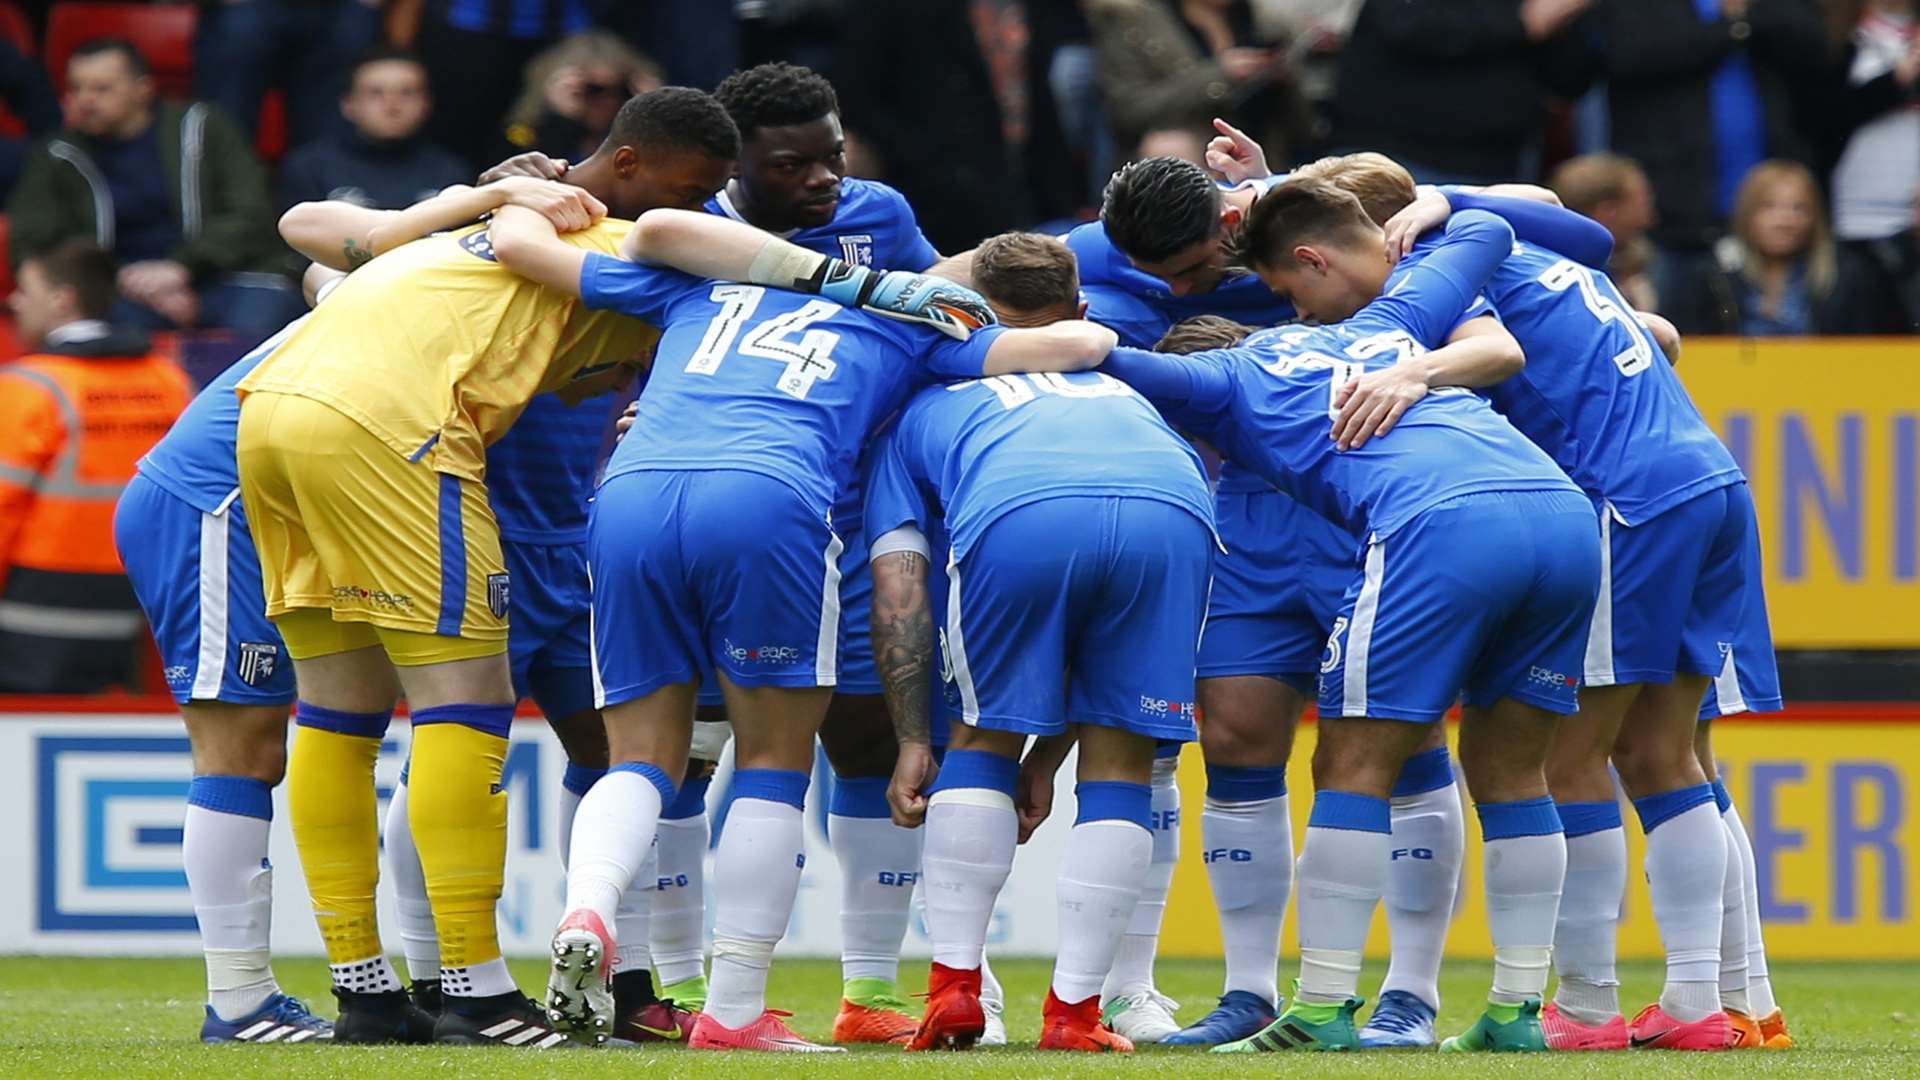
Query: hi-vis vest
[{"x": 74, "y": 421}]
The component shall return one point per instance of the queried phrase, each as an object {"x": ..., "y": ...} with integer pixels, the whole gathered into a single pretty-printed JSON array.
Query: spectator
[
  {"x": 471, "y": 49},
  {"x": 1698, "y": 92},
  {"x": 171, "y": 190},
  {"x": 27, "y": 95},
  {"x": 1777, "y": 272},
  {"x": 1168, "y": 64},
  {"x": 381, "y": 161},
  {"x": 1187, "y": 144},
  {"x": 241, "y": 48},
  {"x": 1873, "y": 184},
  {"x": 1457, "y": 91},
  {"x": 75, "y": 415},
  {"x": 1613, "y": 191},
  {"x": 953, "y": 97},
  {"x": 697, "y": 41},
  {"x": 572, "y": 92}
]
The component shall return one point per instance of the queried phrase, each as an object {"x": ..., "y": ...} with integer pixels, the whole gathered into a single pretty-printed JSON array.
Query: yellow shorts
[{"x": 345, "y": 525}]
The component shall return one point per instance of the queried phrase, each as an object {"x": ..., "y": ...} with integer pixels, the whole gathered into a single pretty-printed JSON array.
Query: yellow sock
[
  {"x": 459, "y": 819},
  {"x": 336, "y": 827}
]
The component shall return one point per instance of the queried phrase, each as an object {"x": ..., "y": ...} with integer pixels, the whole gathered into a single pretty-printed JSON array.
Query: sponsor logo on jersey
[
  {"x": 1544, "y": 677},
  {"x": 257, "y": 662},
  {"x": 762, "y": 654},
  {"x": 1154, "y": 706},
  {"x": 351, "y": 594}
]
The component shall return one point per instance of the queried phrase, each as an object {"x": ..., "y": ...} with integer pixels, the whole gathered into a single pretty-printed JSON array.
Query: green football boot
[
  {"x": 1502, "y": 1027},
  {"x": 1304, "y": 1027}
]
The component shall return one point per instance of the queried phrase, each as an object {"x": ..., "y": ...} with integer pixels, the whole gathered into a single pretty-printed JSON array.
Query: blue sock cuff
[
  {"x": 654, "y": 775},
  {"x": 1584, "y": 818},
  {"x": 1720, "y": 797},
  {"x": 367, "y": 725},
  {"x": 1345, "y": 810},
  {"x": 1429, "y": 770},
  {"x": 772, "y": 785},
  {"x": 1527, "y": 817},
  {"x": 1656, "y": 810},
  {"x": 492, "y": 720},
  {"x": 1232, "y": 783},
  {"x": 578, "y": 778},
  {"x": 691, "y": 802},
  {"x": 239, "y": 795},
  {"x": 977, "y": 769},
  {"x": 1167, "y": 748},
  {"x": 1114, "y": 800},
  {"x": 859, "y": 797}
]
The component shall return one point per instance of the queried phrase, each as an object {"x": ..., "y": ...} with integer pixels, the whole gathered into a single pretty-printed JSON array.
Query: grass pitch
[{"x": 140, "y": 1018}]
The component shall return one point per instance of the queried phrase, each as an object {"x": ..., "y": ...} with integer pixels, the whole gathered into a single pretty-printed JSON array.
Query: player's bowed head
[{"x": 1313, "y": 243}]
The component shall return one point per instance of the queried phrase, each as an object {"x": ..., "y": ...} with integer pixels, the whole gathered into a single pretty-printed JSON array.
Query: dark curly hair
[
  {"x": 1158, "y": 207},
  {"x": 775, "y": 95},
  {"x": 676, "y": 118}
]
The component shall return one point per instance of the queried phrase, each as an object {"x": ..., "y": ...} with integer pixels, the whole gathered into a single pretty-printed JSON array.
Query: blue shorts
[
  {"x": 1481, "y": 597},
  {"x": 197, "y": 576},
  {"x": 1112, "y": 590},
  {"x": 549, "y": 619},
  {"x": 1276, "y": 590},
  {"x": 704, "y": 573},
  {"x": 1681, "y": 593}
]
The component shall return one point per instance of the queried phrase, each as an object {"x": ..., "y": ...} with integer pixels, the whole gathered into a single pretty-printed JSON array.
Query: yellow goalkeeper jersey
[{"x": 435, "y": 348}]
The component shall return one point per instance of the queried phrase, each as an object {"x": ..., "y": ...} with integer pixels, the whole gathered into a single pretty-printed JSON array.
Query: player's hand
[
  {"x": 625, "y": 423},
  {"x": 952, "y": 309},
  {"x": 532, "y": 163},
  {"x": 1372, "y": 403},
  {"x": 1033, "y": 799},
  {"x": 569, "y": 208},
  {"x": 1235, "y": 155},
  {"x": 913, "y": 773},
  {"x": 1429, "y": 211}
]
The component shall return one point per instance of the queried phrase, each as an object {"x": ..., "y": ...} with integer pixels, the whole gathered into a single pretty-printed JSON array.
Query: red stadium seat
[
  {"x": 162, "y": 32},
  {"x": 16, "y": 27},
  {"x": 270, "y": 138}
]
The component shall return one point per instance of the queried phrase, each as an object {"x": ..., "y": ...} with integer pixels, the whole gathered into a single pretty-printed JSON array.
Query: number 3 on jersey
[
  {"x": 1606, "y": 306},
  {"x": 789, "y": 339}
]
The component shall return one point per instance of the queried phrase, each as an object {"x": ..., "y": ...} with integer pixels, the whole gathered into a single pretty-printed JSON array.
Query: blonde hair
[
  {"x": 1383, "y": 186},
  {"x": 1820, "y": 258},
  {"x": 1585, "y": 182},
  {"x": 586, "y": 48}
]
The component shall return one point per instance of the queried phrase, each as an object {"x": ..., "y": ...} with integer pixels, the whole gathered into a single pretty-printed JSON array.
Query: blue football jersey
[
  {"x": 872, "y": 226},
  {"x": 984, "y": 447},
  {"x": 195, "y": 460},
  {"x": 540, "y": 473},
  {"x": 1269, "y": 400},
  {"x": 1597, "y": 393},
  {"x": 765, "y": 380}
]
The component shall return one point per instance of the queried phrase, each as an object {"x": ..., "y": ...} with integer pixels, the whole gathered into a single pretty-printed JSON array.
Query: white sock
[
  {"x": 1759, "y": 985},
  {"x": 419, "y": 940},
  {"x": 1249, "y": 860},
  {"x": 756, "y": 876},
  {"x": 612, "y": 834},
  {"x": 1423, "y": 873},
  {"x": 1686, "y": 874},
  {"x": 1733, "y": 931},
  {"x": 224, "y": 850},
  {"x": 1098, "y": 887},
  {"x": 632, "y": 924},
  {"x": 1132, "y": 970},
  {"x": 678, "y": 927},
  {"x": 488, "y": 978},
  {"x": 971, "y": 834},
  {"x": 1588, "y": 931},
  {"x": 992, "y": 994},
  {"x": 574, "y": 784},
  {"x": 879, "y": 862},
  {"x": 1341, "y": 876},
  {"x": 1525, "y": 865}
]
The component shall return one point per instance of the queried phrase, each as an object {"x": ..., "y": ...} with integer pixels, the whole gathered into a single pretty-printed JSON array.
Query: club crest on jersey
[
  {"x": 497, "y": 595},
  {"x": 480, "y": 243},
  {"x": 857, "y": 250},
  {"x": 256, "y": 662}
]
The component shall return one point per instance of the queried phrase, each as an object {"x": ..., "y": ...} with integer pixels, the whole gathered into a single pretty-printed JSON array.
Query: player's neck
[
  {"x": 595, "y": 175},
  {"x": 753, "y": 214}
]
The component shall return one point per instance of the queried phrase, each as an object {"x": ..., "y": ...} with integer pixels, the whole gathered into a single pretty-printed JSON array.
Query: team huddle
[{"x": 940, "y": 516}]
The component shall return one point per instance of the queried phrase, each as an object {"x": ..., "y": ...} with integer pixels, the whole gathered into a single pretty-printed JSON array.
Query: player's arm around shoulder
[
  {"x": 1068, "y": 345},
  {"x": 528, "y": 244}
]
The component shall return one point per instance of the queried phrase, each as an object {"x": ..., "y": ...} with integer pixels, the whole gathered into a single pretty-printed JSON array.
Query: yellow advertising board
[
  {"x": 1828, "y": 431},
  {"x": 1830, "y": 795}
]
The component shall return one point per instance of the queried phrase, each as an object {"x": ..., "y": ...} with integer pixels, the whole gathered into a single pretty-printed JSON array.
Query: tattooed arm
[{"x": 903, "y": 651}]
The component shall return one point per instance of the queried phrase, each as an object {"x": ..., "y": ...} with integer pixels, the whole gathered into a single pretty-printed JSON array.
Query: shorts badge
[
  {"x": 497, "y": 595},
  {"x": 257, "y": 662}
]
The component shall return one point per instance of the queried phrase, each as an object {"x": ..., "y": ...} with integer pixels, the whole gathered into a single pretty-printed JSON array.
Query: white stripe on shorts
[
  {"x": 1726, "y": 686},
  {"x": 1599, "y": 662},
  {"x": 212, "y": 663},
  {"x": 1353, "y": 686},
  {"x": 593, "y": 649},
  {"x": 957, "y": 648},
  {"x": 826, "y": 649}
]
